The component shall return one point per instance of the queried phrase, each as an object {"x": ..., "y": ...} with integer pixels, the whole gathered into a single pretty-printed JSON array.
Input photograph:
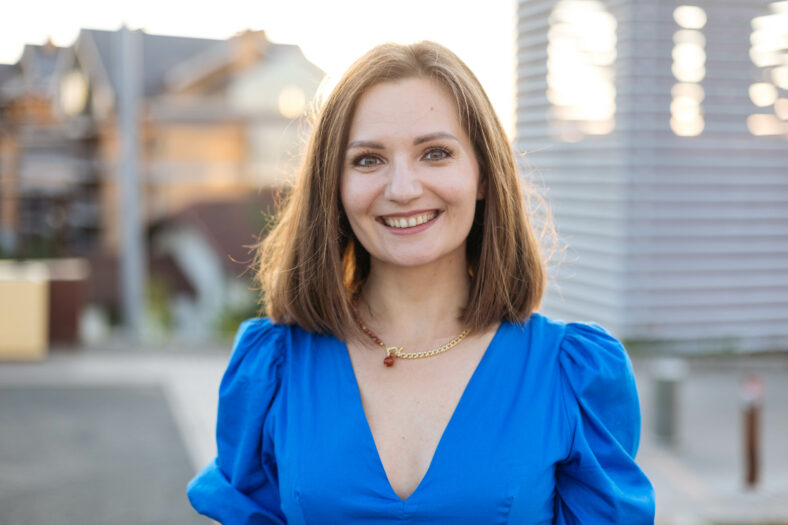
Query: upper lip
[{"x": 408, "y": 213}]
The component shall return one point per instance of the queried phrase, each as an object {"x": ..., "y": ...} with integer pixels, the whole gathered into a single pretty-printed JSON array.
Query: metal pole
[
  {"x": 752, "y": 398},
  {"x": 132, "y": 255},
  {"x": 668, "y": 376}
]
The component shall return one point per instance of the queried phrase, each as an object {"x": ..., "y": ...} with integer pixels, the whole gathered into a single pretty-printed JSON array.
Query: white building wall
[
  {"x": 681, "y": 240},
  {"x": 275, "y": 96}
]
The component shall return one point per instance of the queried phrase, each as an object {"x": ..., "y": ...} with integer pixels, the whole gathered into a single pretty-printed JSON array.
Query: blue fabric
[{"x": 545, "y": 432}]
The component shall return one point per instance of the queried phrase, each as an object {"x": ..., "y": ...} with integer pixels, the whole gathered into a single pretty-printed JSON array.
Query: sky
[{"x": 332, "y": 33}]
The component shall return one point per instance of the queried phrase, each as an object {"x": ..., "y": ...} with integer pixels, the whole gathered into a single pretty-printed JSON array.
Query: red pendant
[{"x": 388, "y": 361}]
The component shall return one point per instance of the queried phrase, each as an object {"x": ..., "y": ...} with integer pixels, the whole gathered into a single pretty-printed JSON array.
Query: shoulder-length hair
[{"x": 310, "y": 264}]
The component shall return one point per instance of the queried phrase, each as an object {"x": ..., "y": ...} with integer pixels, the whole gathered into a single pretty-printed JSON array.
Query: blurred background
[{"x": 143, "y": 147}]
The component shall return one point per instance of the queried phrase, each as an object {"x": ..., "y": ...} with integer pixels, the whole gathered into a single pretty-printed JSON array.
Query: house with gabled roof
[{"x": 219, "y": 119}]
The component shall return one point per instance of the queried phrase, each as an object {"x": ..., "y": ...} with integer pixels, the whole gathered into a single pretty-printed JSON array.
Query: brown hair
[{"x": 310, "y": 263}]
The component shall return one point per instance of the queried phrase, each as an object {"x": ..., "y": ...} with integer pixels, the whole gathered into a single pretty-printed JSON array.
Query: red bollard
[{"x": 752, "y": 397}]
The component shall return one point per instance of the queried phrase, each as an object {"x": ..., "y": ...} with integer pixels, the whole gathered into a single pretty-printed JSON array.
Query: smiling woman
[
  {"x": 405, "y": 243},
  {"x": 410, "y": 184}
]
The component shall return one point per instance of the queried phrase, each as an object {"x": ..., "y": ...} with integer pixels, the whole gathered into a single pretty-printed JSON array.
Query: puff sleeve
[
  {"x": 599, "y": 481},
  {"x": 240, "y": 486}
]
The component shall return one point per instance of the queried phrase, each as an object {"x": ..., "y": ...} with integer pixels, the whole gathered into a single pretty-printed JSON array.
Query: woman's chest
[
  {"x": 494, "y": 460},
  {"x": 408, "y": 409}
]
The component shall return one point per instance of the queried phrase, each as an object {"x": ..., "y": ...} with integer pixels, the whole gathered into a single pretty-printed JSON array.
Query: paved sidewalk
[
  {"x": 698, "y": 482},
  {"x": 116, "y": 437}
]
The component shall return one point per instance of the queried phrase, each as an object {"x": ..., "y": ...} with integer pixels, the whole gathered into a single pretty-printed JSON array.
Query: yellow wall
[{"x": 24, "y": 312}]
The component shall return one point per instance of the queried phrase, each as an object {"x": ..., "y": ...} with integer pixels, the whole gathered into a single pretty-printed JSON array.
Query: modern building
[{"x": 659, "y": 131}]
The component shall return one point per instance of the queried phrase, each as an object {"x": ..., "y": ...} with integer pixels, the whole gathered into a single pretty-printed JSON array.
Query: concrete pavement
[
  {"x": 698, "y": 481},
  {"x": 701, "y": 480},
  {"x": 92, "y": 438}
]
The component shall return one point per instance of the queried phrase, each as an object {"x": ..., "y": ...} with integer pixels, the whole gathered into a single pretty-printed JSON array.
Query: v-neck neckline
[{"x": 370, "y": 438}]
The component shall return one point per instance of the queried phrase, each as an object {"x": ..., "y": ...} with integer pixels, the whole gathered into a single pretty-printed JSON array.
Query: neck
[{"x": 423, "y": 304}]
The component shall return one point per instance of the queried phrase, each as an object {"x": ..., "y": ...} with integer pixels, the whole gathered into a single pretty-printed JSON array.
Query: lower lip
[{"x": 412, "y": 229}]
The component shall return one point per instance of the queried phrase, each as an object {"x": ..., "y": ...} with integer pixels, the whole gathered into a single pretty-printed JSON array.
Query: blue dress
[{"x": 545, "y": 432}]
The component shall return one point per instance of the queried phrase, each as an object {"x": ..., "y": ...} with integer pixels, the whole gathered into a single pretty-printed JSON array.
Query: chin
[{"x": 414, "y": 261}]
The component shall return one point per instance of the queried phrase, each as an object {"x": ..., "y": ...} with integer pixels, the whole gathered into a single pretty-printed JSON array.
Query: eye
[
  {"x": 366, "y": 160},
  {"x": 437, "y": 154}
]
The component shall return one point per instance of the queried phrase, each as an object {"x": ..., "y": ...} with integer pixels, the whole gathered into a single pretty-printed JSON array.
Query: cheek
[
  {"x": 356, "y": 200},
  {"x": 470, "y": 183},
  {"x": 348, "y": 193},
  {"x": 463, "y": 193},
  {"x": 358, "y": 193}
]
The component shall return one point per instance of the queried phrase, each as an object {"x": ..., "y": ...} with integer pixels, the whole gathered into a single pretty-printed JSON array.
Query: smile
[{"x": 409, "y": 222}]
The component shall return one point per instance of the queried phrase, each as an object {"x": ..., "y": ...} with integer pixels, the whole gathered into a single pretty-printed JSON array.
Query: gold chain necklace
[{"x": 396, "y": 351}]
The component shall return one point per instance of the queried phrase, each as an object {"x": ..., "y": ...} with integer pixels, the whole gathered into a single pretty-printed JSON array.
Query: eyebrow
[
  {"x": 416, "y": 141},
  {"x": 433, "y": 136}
]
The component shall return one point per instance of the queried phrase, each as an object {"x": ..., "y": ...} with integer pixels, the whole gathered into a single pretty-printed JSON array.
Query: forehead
[{"x": 411, "y": 106}]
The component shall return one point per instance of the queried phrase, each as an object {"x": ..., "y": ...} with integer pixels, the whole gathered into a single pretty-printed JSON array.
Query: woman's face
[{"x": 410, "y": 180}]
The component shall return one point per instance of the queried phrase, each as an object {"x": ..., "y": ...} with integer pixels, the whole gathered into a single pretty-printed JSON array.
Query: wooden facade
[{"x": 199, "y": 139}]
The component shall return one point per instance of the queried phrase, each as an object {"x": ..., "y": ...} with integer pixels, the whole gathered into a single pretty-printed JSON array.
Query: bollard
[
  {"x": 668, "y": 375},
  {"x": 752, "y": 398}
]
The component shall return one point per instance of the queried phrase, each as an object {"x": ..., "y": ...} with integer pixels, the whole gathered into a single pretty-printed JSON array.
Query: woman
[{"x": 403, "y": 375}]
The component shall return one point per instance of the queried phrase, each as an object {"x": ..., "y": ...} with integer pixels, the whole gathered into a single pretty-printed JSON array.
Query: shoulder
[
  {"x": 585, "y": 353},
  {"x": 259, "y": 349},
  {"x": 253, "y": 378},
  {"x": 592, "y": 370},
  {"x": 598, "y": 382},
  {"x": 591, "y": 354},
  {"x": 263, "y": 348},
  {"x": 583, "y": 349}
]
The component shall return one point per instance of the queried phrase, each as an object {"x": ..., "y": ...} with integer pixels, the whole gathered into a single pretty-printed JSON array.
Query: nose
[{"x": 403, "y": 184}]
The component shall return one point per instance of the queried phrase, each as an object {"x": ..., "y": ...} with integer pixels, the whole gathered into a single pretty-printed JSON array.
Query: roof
[
  {"x": 7, "y": 71},
  {"x": 216, "y": 57},
  {"x": 160, "y": 54},
  {"x": 10, "y": 76},
  {"x": 39, "y": 65},
  {"x": 35, "y": 71}
]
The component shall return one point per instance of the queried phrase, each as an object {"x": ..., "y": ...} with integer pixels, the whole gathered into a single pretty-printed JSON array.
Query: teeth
[{"x": 410, "y": 222}]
